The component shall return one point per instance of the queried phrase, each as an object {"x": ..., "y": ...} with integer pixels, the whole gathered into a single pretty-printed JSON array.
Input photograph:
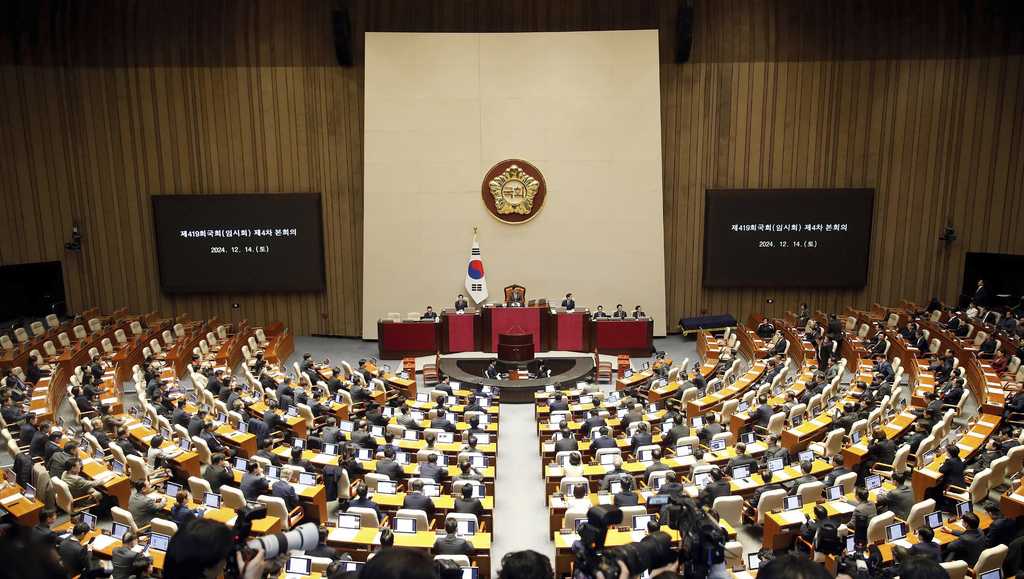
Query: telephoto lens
[{"x": 301, "y": 538}]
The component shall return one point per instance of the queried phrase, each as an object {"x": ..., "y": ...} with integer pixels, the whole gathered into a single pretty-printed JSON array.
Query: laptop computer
[
  {"x": 301, "y": 566},
  {"x": 933, "y": 520},
  {"x": 640, "y": 522},
  {"x": 776, "y": 464},
  {"x": 405, "y": 525},
  {"x": 307, "y": 478},
  {"x": 159, "y": 542},
  {"x": 212, "y": 500},
  {"x": 895, "y": 532},
  {"x": 349, "y": 521},
  {"x": 117, "y": 530},
  {"x": 872, "y": 482},
  {"x": 834, "y": 493},
  {"x": 793, "y": 503}
]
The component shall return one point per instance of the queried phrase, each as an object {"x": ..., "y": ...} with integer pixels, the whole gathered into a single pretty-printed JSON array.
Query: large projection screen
[{"x": 441, "y": 109}]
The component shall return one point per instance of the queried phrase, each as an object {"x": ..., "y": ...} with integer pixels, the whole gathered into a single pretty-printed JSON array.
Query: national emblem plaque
[{"x": 513, "y": 191}]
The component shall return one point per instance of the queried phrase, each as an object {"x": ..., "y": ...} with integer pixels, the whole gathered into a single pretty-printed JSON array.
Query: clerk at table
[
  {"x": 619, "y": 313},
  {"x": 569, "y": 303},
  {"x": 430, "y": 314},
  {"x": 461, "y": 304},
  {"x": 600, "y": 313},
  {"x": 638, "y": 314}
]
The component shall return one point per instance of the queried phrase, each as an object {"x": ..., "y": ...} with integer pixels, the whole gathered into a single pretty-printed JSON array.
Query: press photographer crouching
[
  {"x": 699, "y": 553},
  {"x": 207, "y": 549}
]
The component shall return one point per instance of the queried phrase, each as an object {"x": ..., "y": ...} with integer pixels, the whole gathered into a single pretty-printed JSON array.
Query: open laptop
[
  {"x": 330, "y": 449},
  {"x": 963, "y": 508},
  {"x": 89, "y": 519},
  {"x": 386, "y": 487},
  {"x": 933, "y": 520},
  {"x": 405, "y": 525},
  {"x": 741, "y": 471},
  {"x": 465, "y": 528},
  {"x": 702, "y": 479},
  {"x": 717, "y": 444},
  {"x": 158, "y": 542},
  {"x": 872, "y": 482},
  {"x": 993, "y": 574},
  {"x": 212, "y": 500},
  {"x": 640, "y": 522},
  {"x": 684, "y": 450},
  {"x": 748, "y": 438},
  {"x": 307, "y": 478},
  {"x": 776, "y": 464},
  {"x": 793, "y": 503},
  {"x": 241, "y": 463},
  {"x": 171, "y": 489},
  {"x": 117, "y": 530},
  {"x": 806, "y": 456},
  {"x": 753, "y": 561},
  {"x": 298, "y": 567},
  {"x": 834, "y": 493},
  {"x": 895, "y": 532},
  {"x": 349, "y": 521}
]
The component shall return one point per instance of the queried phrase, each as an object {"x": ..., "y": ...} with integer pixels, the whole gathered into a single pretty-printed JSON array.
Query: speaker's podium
[{"x": 515, "y": 348}]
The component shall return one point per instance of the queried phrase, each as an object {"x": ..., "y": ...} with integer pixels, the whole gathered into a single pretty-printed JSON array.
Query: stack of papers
[{"x": 10, "y": 500}]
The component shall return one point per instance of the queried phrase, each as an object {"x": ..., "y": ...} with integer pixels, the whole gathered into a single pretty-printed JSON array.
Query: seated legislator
[
  {"x": 639, "y": 314},
  {"x": 619, "y": 313},
  {"x": 461, "y": 304},
  {"x": 430, "y": 314},
  {"x": 569, "y": 303},
  {"x": 600, "y": 313}
]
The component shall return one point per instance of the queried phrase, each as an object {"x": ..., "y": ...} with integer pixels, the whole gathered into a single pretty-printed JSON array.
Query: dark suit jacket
[
  {"x": 564, "y": 444},
  {"x": 253, "y": 486},
  {"x": 601, "y": 442},
  {"x": 217, "y": 476},
  {"x": 128, "y": 563},
  {"x": 952, "y": 470},
  {"x": 286, "y": 491},
  {"x": 419, "y": 501},
  {"x": 74, "y": 555},
  {"x": 392, "y": 469},
  {"x": 931, "y": 550},
  {"x": 471, "y": 506},
  {"x": 967, "y": 548},
  {"x": 452, "y": 545}
]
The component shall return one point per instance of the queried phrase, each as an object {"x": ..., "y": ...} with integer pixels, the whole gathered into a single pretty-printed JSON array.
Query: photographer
[{"x": 201, "y": 549}]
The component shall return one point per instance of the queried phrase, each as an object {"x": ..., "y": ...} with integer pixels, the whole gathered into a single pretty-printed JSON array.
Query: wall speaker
[
  {"x": 342, "y": 26},
  {"x": 684, "y": 32}
]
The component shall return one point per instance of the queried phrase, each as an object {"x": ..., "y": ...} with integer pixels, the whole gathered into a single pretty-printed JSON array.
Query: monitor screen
[
  {"x": 608, "y": 458},
  {"x": 797, "y": 420},
  {"x": 702, "y": 479},
  {"x": 855, "y": 437},
  {"x": 640, "y": 522},
  {"x": 117, "y": 466},
  {"x": 117, "y": 530},
  {"x": 307, "y": 478},
  {"x": 299, "y": 565},
  {"x": 743, "y": 406},
  {"x": 776, "y": 464},
  {"x": 718, "y": 444},
  {"x": 806, "y": 456},
  {"x": 352, "y": 566},
  {"x": 386, "y": 487},
  {"x": 615, "y": 487},
  {"x": 241, "y": 463},
  {"x": 89, "y": 519},
  {"x": 933, "y": 520},
  {"x": 273, "y": 471},
  {"x": 346, "y": 426},
  {"x": 963, "y": 508},
  {"x": 872, "y": 482},
  {"x": 684, "y": 450},
  {"x": 698, "y": 422},
  {"x": 159, "y": 542},
  {"x": 30, "y": 491},
  {"x": 742, "y": 471},
  {"x": 409, "y": 435},
  {"x": 212, "y": 500},
  {"x": 405, "y": 525},
  {"x": 217, "y": 243},
  {"x": 993, "y": 574},
  {"x": 646, "y": 455},
  {"x": 445, "y": 437},
  {"x": 185, "y": 444},
  {"x": 330, "y": 449},
  {"x": 834, "y": 493},
  {"x": 748, "y": 438},
  {"x": 928, "y": 457},
  {"x": 243, "y": 427},
  {"x": 851, "y": 543},
  {"x": 431, "y": 490},
  {"x": 895, "y": 532},
  {"x": 349, "y": 521},
  {"x": 171, "y": 489},
  {"x": 299, "y": 443},
  {"x": 793, "y": 503},
  {"x": 753, "y": 561},
  {"x": 466, "y": 528},
  {"x": 470, "y": 573},
  {"x": 776, "y": 232}
]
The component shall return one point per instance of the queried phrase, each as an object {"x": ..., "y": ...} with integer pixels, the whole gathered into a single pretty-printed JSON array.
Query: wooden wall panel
[{"x": 108, "y": 102}]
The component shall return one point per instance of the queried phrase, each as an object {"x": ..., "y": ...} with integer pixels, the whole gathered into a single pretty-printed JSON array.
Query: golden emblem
[{"x": 513, "y": 191}]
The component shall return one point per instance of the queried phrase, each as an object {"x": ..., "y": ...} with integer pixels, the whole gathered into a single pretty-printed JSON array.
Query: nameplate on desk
[{"x": 11, "y": 499}]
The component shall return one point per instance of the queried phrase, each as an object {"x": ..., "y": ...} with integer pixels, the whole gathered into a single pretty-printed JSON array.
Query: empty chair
[
  {"x": 80, "y": 333},
  {"x": 276, "y": 507},
  {"x": 21, "y": 335},
  {"x": 915, "y": 519},
  {"x": 367, "y": 517},
  {"x": 52, "y": 321},
  {"x": 730, "y": 509},
  {"x": 991, "y": 558},
  {"x": 63, "y": 340},
  {"x": 233, "y": 498},
  {"x": 164, "y": 527},
  {"x": 120, "y": 337},
  {"x": 136, "y": 328},
  {"x": 877, "y": 524},
  {"x": 37, "y": 329},
  {"x": 769, "y": 501},
  {"x": 198, "y": 487},
  {"x": 955, "y": 569}
]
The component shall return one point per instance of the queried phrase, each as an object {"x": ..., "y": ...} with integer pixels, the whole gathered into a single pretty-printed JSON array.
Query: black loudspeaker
[
  {"x": 684, "y": 35},
  {"x": 342, "y": 26}
]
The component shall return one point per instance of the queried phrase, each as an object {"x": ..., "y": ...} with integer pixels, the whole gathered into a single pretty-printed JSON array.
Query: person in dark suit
[
  {"x": 430, "y": 469},
  {"x": 603, "y": 440},
  {"x": 461, "y": 304},
  {"x": 322, "y": 549},
  {"x": 982, "y": 294},
  {"x": 415, "y": 499},
  {"x": 881, "y": 449},
  {"x": 569, "y": 303},
  {"x": 641, "y": 437},
  {"x": 27, "y": 431},
  {"x": 619, "y": 313},
  {"x": 467, "y": 504},
  {"x": 952, "y": 470},
  {"x": 361, "y": 500},
  {"x": 566, "y": 440},
  {"x": 926, "y": 546},
  {"x": 180, "y": 415},
  {"x": 254, "y": 483},
  {"x": 626, "y": 497},
  {"x": 429, "y": 315},
  {"x": 837, "y": 471},
  {"x": 76, "y": 557},
  {"x": 284, "y": 490},
  {"x": 969, "y": 544},
  {"x": 671, "y": 486},
  {"x": 742, "y": 459},
  {"x": 594, "y": 420},
  {"x": 599, "y": 313},
  {"x": 718, "y": 487},
  {"x": 805, "y": 468},
  {"x": 900, "y": 499},
  {"x": 774, "y": 450},
  {"x": 558, "y": 403},
  {"x": 272, "y": 419},
  {"x": 639, "y": 314},
  {"x": 763, "y": 413},
  {"x": 180, "y": 512},
  {"x": 450, "y": 543},
  {"x": 657, "y": 465},
  {"x": 388, "y": 467},
  {"x": 778, "y": 345},
  {"x": 1002, "y": 530}
]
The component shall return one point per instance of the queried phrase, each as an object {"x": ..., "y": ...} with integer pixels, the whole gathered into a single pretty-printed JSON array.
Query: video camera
[
  {"x": 702, "y": 543},
  {"x": 301, "y": 538}
]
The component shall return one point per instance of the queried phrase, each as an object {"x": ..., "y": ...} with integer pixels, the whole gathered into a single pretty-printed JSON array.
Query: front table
[
  {"x": 397, "y": 340},
  {"x": 633, "y": 337}
]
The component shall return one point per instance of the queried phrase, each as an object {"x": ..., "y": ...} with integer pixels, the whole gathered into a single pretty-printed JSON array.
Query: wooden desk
[
  {"x": 24, "y": 510},
  {"x": 636, "y": 379},
  {"x": 363, "y": 540},
  {"x": 928, "y": 476}
]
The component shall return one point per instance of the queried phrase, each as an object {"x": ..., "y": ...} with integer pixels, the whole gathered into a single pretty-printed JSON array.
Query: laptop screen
[
  {"x": 872, "y": 482},
  {"x": 742, "y": 471},
  {"x": 241, "y": 463},
  {"x": 748, "y": 438},
  {"x": 933, "y": 520},
  {"x": 352, "y": 566},
  {"x": 776, "y": 464},
  {"x": 753, "y": 561},
  {"x": 273, "y": 471},
  {"x": 307, "y": 478},
  {"x": 834, "y": 493},
  {"x": 993, "y": 574},
  {"x": 684, "y": 450},
  {"x": 640, "y": 522},
  {"x": 963, "y": 508},
  {"x": 348, "y": 521},
  {"x": 702, "y": 479},
  {"x": 89, "y": 519},
  {"x": 646, "y": 455},
  {"x": 159, "y": 542},
  {"x": 851, "y": 543},
  {"x": 895, "y": 532},
  {"x": 171, "y": 489},
  {"x": 806, "y": 456},
  {"x": 243, "y": 427},
  {"x": 698, "y": 422},
  {"x": 330, "y": 448},
  {"x": 386, "y": 487},
  {"x": 212, "y": 500},
  {"x": 793, "y": 503},
  {"x": 432, "y": 490},
  {"x": 474, "y": 573},
  {"x": 345, "y": 426},
  {"x": 615, "y": 487},
  {"x": 185, "y": 444},
  {"x": 117, "y": 530},
  {"x": 466, "y": 528},
  {"x": 30, "y": 491},
  {"x": 405, "y": 525},
  {"x": 117, "y": 466},
  {"x": 299, "y": 565},
  {"x": 718, "y": 444}
]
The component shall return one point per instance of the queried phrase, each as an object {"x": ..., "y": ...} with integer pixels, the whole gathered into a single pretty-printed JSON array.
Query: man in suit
[
  {"x": 127, "y": 562},
  {"x": 679, "y": 430},
  {"x": 619, "y": 313},
  {"x": 881, "y": 449},
  {"x": 805, "y": 477},
  {"x": 466, "y": 503},
  {"x": 603, "y": 440},
  {"x": 900, "y": 499},
  {"x": 915, "y": 437},
  {"x": 143, "y": 508},
  {"x": 594, "y": 420},
  {"x": 461, "y": 304},
  {"x": 58, "y": 460},
  {"x": 982, "y": 294},
  {"x": 641, "y": 437},
  {"x": 763, "y": 413},
  {"x": 774, "y": 450},
  {"x": 388, "y": 467},
  {"x": 43, "y": 531},
  {"x": 450, "y": 543},
  {"x": 952, "y": 470},
  {"x": 569, "y": 303},
  {"x": 616, "y": 473},
  {"x": 254, "y": 483},
  {"x": 778, "y": 345},
  {"x": 1002, "y": 530},
  {"x": 430, "y": 469},
  {"x": 77, "y": 484},
  {"x": 429, "y": 315},
  {"x": 558, "y": 403},
  {"x": 599, "y": 313},
  {"x": 655, "y": 466},
  {"x": 926, "y": 546},
  {"x": 284, "y": 490},
  {"x": 330, "y": 433},
  {"x": 272, "y": 419},
  {"x": 266, "y": 451},
  {"x": 361, "y": 500},
  {"x": 415, "y": 499},
  {"x": 638, "y": 314},
  {"x": 566, "y": 440},
  {"x": 837, "y": 471},
  {"x": 180, "y": 415},
  {"x": 718, "y": 487},
  {"x": 742, "y": 459},
  {"x": 212, "y": 442},
  {"x": 76, "y": 557},
  {"x": 969, "y": 544},
  {"x": 671, "y": 486},
  {"x": 322, "y": 549}
]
